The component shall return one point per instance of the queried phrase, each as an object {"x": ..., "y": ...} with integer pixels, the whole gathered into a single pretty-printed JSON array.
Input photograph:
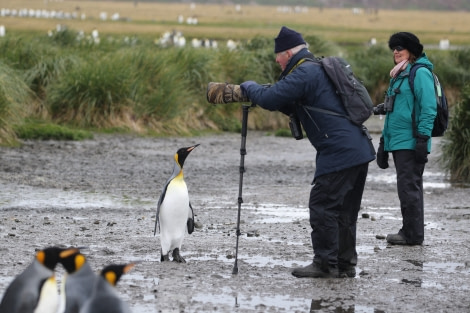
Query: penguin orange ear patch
[
  {"x": 79, "y": 261},
  {"x": 41, "y": 257},
  {"x": 111, "y": 277}
]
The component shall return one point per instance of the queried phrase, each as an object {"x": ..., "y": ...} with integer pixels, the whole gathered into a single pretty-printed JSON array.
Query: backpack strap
[
  {"x": 317, "y": 62},
  {"x": 330, "y": 112},
  {"x": 300, "y": 62},
  {"x": 411, "y": 80},
  {"x": 412, "y": 75}
]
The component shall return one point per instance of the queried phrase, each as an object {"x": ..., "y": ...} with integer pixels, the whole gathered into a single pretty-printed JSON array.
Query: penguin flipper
[
  {"x": 190, "y": 222},
  {"x": 160, "y": 201}
]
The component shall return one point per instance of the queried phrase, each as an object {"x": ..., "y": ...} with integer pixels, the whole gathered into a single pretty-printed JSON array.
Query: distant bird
[
  {"x": 104, "y": 298},
  {"x": 77, "y": 283},
  {"x": 174, "y": 211},
  {"x": 35, "y": 289}
]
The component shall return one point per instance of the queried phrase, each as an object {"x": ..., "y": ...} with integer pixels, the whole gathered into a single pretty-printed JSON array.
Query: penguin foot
[
  {"x": 164, "y": 258},
  {"x": 177, "y": 257}
]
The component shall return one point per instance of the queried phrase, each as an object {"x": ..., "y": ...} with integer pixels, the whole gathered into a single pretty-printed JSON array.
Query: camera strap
[{"x": 397, "y": 89}]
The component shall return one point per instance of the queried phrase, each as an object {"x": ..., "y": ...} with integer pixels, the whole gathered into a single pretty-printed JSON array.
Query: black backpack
[
  {"x": 353, "y": 93},
  {"x": 442, "y": 118}
]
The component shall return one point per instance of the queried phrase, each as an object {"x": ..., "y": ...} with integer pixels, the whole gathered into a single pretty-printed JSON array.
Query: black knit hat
[
  {"x": 408, "y": 41},
  {"x": 287, "y": 39}
]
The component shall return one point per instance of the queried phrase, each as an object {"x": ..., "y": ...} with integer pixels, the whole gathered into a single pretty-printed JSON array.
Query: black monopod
[
  {"x": 240, "y": 184},
  {"x": 221, "y": 93}
]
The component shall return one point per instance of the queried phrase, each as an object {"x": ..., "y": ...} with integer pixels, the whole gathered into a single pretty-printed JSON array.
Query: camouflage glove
[{"x": 220, "y": 93}]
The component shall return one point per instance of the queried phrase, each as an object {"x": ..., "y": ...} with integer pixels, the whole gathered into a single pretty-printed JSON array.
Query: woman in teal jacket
[{"x": 407, "y": 132}]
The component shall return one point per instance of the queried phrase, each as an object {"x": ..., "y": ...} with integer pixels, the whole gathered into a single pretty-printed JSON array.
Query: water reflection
[
  {"x": 440, "y": 267},
  {"x": 436, "y": 269},
  {"x": 337, "y": 306},
  {"x": 432, "y": 180},
  {"x": 249, "y": 302},
  {"x": 276, "y": 213},
  {"x": 284, "y": 302},
  {"x": 22, "y": 196}
]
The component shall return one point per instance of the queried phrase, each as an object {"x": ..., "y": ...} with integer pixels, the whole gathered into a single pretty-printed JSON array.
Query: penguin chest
[
  {"x": 175, "y": 207},
  {"x": 48, "y": 298}
]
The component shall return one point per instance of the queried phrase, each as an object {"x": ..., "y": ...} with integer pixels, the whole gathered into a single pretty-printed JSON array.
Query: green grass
[
  {"x": 40, "y": 130},
  {"x": 456, "y": 147},
  {"x": 13, "y": 94}
]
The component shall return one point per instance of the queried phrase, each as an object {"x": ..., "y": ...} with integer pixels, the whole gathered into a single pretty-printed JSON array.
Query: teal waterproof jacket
[{"x": 398, "y": 129}]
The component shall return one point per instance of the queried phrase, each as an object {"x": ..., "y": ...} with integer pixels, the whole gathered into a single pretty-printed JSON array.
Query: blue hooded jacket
[{"x": 340, "y": 144}]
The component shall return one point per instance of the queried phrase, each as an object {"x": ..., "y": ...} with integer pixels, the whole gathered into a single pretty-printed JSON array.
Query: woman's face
[{"x": 400, "y": 54}]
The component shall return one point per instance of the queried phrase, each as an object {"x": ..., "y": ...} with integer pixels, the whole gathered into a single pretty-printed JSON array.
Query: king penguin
[
  {"x": 104, "y": 298},
  {"x": 174, "y": 211},
  {"x": 35, "y": 289},
  {"x": 77, "y": 283}
]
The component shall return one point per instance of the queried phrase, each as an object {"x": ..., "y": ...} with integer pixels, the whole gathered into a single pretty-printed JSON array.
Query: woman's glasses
[{"x": 398, "y": 48}]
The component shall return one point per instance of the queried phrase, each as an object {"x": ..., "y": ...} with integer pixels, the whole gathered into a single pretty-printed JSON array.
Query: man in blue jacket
[{"x": 343, "y": 153}]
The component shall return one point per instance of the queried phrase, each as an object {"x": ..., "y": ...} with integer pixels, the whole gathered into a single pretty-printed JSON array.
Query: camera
[
  {"x": 295, "y": 127},
  {"x": 387, "y": 106},
  {"x": 388, "y": 103},
  {"x": 379, "y": 109}
]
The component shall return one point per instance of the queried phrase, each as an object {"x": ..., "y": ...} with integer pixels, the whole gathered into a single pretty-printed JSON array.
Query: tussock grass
[
  {"x": 97, "y": 92},
  {"x": 13, "y": 95},
  {"x": 456, "y": 147}
]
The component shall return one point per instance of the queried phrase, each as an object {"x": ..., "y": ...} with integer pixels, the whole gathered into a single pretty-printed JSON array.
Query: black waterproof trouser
[
  {"x": 410, "y": 193},
  {"x": 335, "y": 200}
]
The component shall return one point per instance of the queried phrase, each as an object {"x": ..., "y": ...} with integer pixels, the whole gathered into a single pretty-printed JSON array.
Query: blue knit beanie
[{"x": 287, "y": 39}]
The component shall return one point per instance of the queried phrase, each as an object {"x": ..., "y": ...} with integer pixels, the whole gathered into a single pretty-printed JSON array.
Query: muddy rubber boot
[
  {"x": 396, "y": 239},
  {"x": 315, "y": 271},
  {"x": 346, "y": 271},
  {"x": 177, "y": 257}
]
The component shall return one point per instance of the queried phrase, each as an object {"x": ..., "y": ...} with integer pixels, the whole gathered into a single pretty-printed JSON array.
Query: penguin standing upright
[
  {"x": 174, "y": 211},
  {"x": 77, "y": 283},
  {"x": 104, "y": 298},
  {"x": 35, "y": 289}
]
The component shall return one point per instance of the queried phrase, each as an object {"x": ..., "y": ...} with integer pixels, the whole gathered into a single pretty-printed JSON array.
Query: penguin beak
[
  {"x": 68, "y": 252},
  {"x": 192, "y": 147},
  {"x": 128, "y": 267}
]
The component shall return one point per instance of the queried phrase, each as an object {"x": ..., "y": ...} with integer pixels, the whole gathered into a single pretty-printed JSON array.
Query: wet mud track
[{"x": 102, "y": 194}]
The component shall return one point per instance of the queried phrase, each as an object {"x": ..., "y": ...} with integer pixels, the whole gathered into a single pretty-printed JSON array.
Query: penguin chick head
[
  {"x": 50, "y": 256},
  {"x": 182, "y": 154},
  {"x": 72, "y": 260},
  {"x": 112, "y": 273}
]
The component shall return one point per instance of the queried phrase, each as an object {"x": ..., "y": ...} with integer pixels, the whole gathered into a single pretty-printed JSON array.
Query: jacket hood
[{"x": 424, "y": 60}]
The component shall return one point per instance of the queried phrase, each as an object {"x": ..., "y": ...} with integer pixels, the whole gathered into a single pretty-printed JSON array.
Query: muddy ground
[{"x": 102, "y": 193}]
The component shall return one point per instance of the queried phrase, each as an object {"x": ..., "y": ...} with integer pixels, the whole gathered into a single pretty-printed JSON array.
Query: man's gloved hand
[
  {"x": 382, "y": 155},
  {"x": 245, "y": 85},
  {"x": 379, "y": 109},
  {"x": 421, "y": 149}
]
